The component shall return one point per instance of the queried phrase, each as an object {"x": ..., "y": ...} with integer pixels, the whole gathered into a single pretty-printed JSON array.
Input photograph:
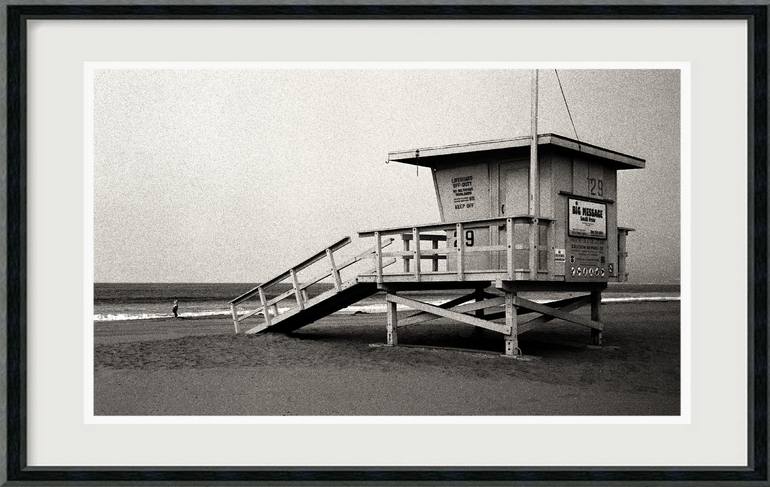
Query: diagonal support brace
[{"x": 445, "y": 313}]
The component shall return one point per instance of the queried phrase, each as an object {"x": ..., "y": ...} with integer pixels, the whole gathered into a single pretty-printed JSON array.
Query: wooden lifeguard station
[{"x": 533, "y": 213}]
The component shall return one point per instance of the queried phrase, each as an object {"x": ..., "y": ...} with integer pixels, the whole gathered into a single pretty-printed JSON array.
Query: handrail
[
  {"x": 427, "y": 238},
  {"x": 286, "y": 274},
  {"x": 468, "y": 224},
  {"x": 300, "y": 290},
  {"x": 414, "y": 254}
]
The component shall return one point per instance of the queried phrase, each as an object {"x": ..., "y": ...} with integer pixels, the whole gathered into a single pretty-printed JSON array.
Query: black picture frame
[{"x": 16, "y": 418}]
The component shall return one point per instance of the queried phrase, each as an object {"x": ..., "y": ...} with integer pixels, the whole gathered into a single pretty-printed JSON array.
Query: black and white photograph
[{"x": 364, "y": 239}]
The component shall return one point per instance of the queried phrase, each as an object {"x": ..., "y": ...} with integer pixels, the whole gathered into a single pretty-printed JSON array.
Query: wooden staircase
[{"x": 305, "y": 310}]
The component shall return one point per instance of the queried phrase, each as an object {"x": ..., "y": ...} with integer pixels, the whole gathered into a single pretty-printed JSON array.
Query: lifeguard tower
[{"x": 533, "y": 213}]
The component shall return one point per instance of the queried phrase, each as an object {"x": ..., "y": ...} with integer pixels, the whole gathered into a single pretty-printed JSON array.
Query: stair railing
[{"x": 269, "y": 309}]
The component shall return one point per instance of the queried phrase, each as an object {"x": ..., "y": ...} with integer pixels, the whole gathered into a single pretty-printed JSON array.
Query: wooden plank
[
  {"x": 494, "y": 238},
  {"x": 511, "y": 320},
  {"x": 321, "y": 297},
  {"x": 385, "y": 263},
  {"x": 460, "y": 244},
  {"x": 434, "y": 266},
  {"x": 485, "y": 248},
  {"x": 548, "y": 246},
  {"x": 345, "y": 264},
  {"x": 296, "y": 288},
  {"x": 509, "y": 247},
  {"x": 566, "y": 305},
  {"x": 277, "y": 299},
  {"x": 441, "y": 276},
  {"x": 406, "y": 249},
  {"x": 367, "y": 253},
  {"x": 234, "y": 312},
  {"x": 319, "y": 255},
  {"x": 435, "y": 310},
  {"x": 425, "y": 254},
  {"x": 438, "y": 227},
  {"x": 596, "y": 303},
  {"x": 251, "y": 313},
  {"x": 532, "y": 251},
  {"x": 378, "y": 255},
  {"x": 335, "y": 272},
  {"x": 280, "y": 277},
  {"x": 416, "y": 250},
  {"x": 409, "y": 254},
  {"x": 264, "y": 305},
  {"x": 449, "y": 304},
  {"x": 392, "y": 325},
  {"x": 255, "y": 290},
  {"x": 464, "y": 308},
  {"x": 440, "y": 253},
  {"x": 407, "y": 237},
  {"x": 547, "y": 310}
]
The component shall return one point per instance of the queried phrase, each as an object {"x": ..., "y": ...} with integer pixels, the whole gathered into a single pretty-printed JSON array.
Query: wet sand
[{"x": 198, "y": 367}]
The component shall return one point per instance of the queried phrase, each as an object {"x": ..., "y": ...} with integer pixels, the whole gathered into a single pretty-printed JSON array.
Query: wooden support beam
[
  {"x": 305, "y": 263},
  {"x": 416, "y": 237},
  {"x": 549, "y": 256},
  {"x": 434, "y": 245},
  {"x": 334, "y": 271},
  {"x": 463, "y": 308},
  {"x": 509, "y": 247},
  {"x": 444, "y": 313},
  {"x": 265, "y": 309},
  {"x": 547, "y": 310},
  {"x": 460, "y": 243},
  {"x": 416, "y": 317},
  {"x": 566, "y": 305},
  {"x": 533, "y": 249},
  {"x": 392, "y": 325},
  {"x": 596, "y": 302},
  {"x": 511, "y": 321},
  {"x": 378, "y": 256},
  {"x": 406, "y": 249},
  {"x": 296, "y": 288},
  {"x": 234, "y": 312}
]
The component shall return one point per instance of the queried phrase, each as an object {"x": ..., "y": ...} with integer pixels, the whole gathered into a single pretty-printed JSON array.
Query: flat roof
[{"x": 436, "y": 156}]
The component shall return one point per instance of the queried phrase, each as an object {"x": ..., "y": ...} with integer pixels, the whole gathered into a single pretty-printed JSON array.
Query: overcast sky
[{"x": 234, "y": 175}]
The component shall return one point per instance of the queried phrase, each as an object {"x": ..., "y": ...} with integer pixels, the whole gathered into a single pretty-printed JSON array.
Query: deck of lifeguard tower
[{"x": 495, "y": 258}]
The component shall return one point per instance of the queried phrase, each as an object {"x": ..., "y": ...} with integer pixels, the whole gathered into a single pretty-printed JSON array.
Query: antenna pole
[
  {"x": 534, "y": 186},
  {"x": 534, "y": 183}
]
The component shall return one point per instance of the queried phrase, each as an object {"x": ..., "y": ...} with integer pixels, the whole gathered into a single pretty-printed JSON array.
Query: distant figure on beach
[{"x": 175, "y": 308}]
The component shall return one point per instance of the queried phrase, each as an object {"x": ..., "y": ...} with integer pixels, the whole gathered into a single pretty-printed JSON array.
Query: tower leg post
[
  {"x": 392, "y": 322},
  {"x": 511, "y": 320},
  {"x": 596, "y": 302}
]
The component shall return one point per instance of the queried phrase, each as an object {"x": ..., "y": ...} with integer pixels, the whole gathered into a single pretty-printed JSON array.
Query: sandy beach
[{"x": 199, "y": 367}]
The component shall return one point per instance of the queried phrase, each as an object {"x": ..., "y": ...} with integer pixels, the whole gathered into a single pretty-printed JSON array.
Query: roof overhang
[{"x": 437, "y": 156}]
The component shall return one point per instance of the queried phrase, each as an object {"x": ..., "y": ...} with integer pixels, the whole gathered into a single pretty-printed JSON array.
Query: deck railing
[
  {"x": 269, "y": 307},
  {"x": 622, "y": 252},
  {"x": 539, "y": 233}
]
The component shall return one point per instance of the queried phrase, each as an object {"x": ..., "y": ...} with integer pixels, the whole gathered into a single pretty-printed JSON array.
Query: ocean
[{"x": 146, "y": 301}]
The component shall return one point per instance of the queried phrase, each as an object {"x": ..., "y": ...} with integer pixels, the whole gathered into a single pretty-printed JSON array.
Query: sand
[{"x": 198, "y": 367}]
